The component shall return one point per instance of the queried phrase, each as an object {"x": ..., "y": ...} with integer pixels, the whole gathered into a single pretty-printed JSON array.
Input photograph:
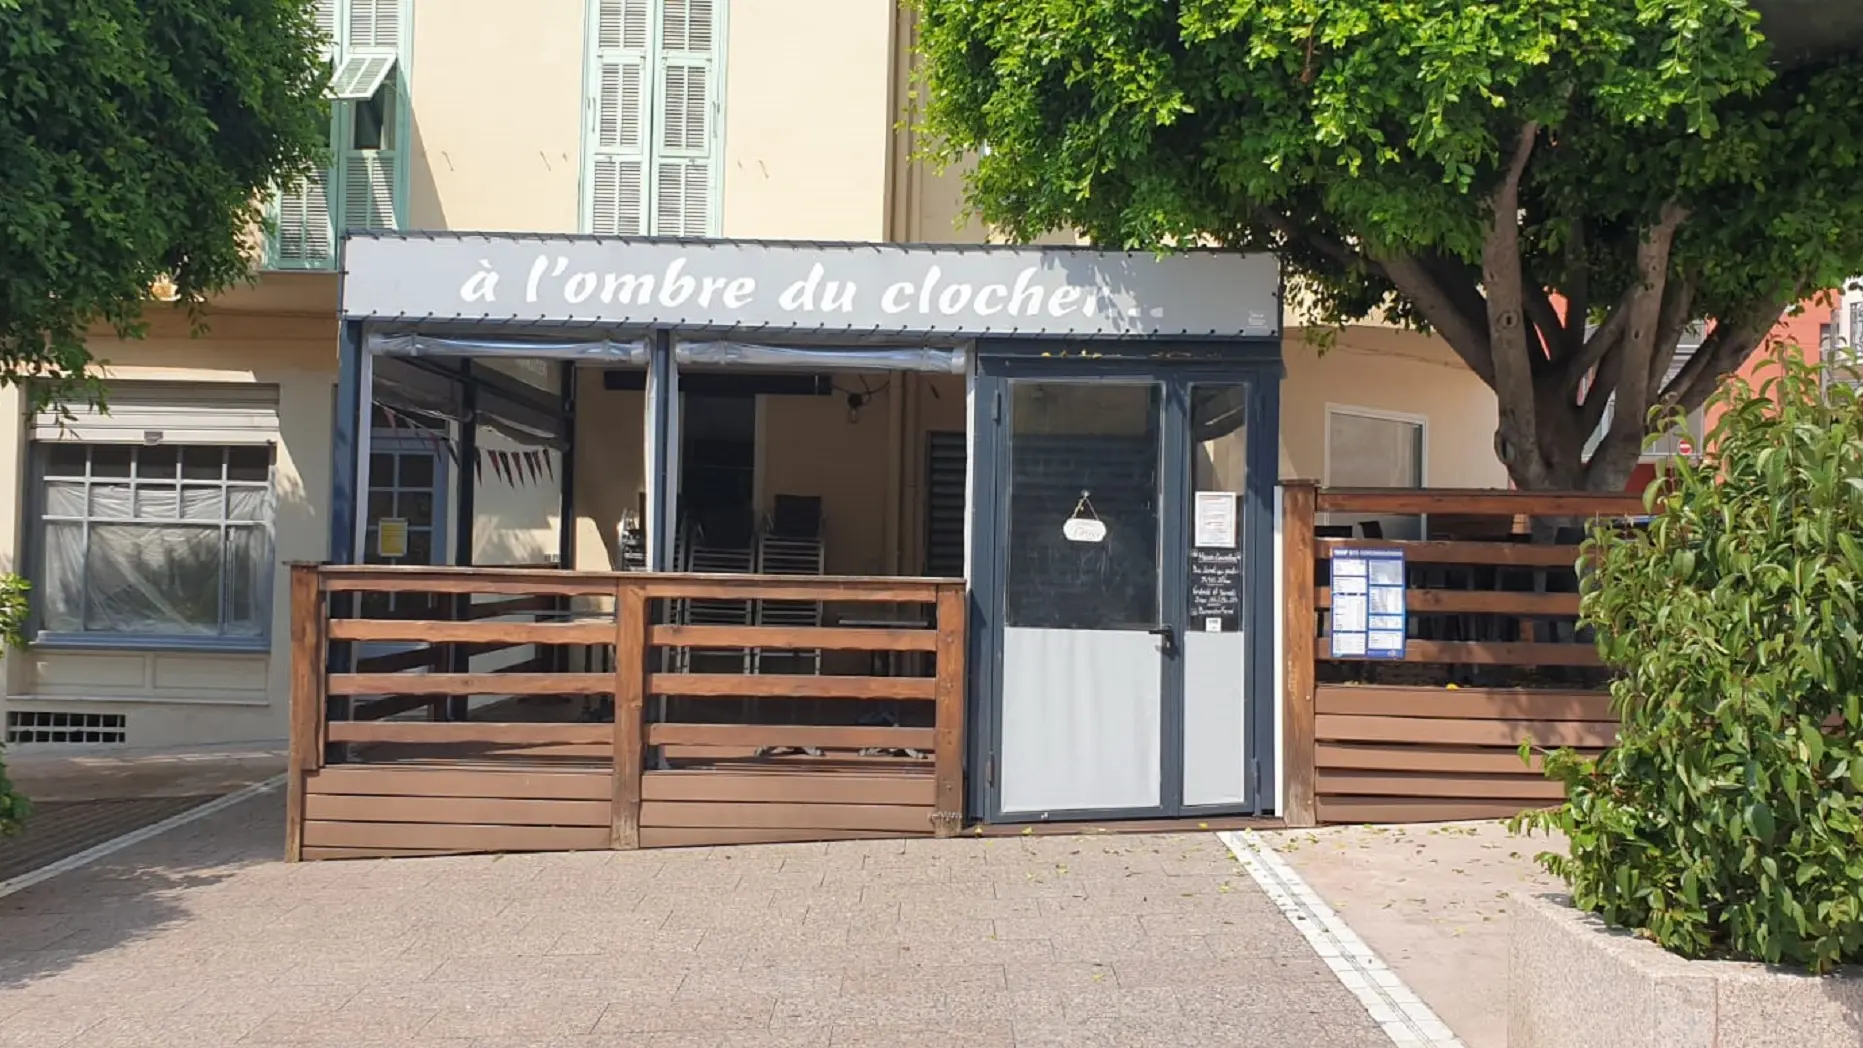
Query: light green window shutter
[
  {"x": 303, "y": 234},
  {"x": 326, "y": 24},
  {"x": 374, "y": 24},
  {"x": 618, "y": 138},
  {"x": 687, "y": 110}
]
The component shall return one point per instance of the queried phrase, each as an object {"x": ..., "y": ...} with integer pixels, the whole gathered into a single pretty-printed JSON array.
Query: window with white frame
[
  {"x": 365, "y": 186},
  {"x": 652, "y": 147},
  {"x": 1366, "y": 450},
  {"x": 154, "y": 541}
]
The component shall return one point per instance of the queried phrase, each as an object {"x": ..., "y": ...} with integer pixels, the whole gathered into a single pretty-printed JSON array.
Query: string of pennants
[{"x": 513, "y": 467}]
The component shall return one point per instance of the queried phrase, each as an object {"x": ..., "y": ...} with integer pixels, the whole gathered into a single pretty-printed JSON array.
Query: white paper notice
[{"x": 1216, "y": 520}]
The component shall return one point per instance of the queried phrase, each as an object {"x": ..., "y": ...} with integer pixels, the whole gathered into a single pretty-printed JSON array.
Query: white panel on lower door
[
  {"x": 1080, "y": 720},
  {"x": 1215, "y": 719}
]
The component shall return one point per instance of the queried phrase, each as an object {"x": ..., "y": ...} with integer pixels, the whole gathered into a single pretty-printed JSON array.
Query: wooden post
[
  {"x": 632, "y": 629},
  {"x": 948, "y": 745},
  {"x": 1299, "y": 804},
  {"x": 308, "y": 644}
]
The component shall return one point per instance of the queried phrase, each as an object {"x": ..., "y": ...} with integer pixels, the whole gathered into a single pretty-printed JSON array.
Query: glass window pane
[
  {"x": 1087, "y": 452},
  {"x": 416, "y": 471},
  {"x": 417, "y": 506},
  {"x": 1219, "y": 437},
  {"x": 420, "y": 547},
  {"x": 381, "y": 504},
  {"x": 381, "y": 470},
  {"x": 65, "y": 460},
  {"x": 248, "y": 504},
  {"x": 251, "y": 463},
  {"x": 157, "y": 503},
  {"x": 60, "y": 589},
  {"x": 154, "y": 579},
  {"x": 111, "y": 502},
  {"x": 64, "y": 500},
  {"x": 202, "y": 503},
  {"x": 110, "y": 460},
  {"x": 248, "y": 563},
  {"x": 1367, "y": 452},
  {"x": 201, "y": 463},
  {"x": 157, "y": 463}
]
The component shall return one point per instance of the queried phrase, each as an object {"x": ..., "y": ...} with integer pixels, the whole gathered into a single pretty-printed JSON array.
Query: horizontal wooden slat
[
  {"x": 785, "y": 587},
  {"x": 555, "y": 584},
  {"x": 1525, "y": 788},
  {"x": 829, "y": 638},
  {"x": 454, "y": 838},
  {"x": 471, "y": 683},
  {"x": 1417, "y": 809},
  {"x": 787, "y": 787},
  {"x": 1494, "y": 760},
  {"x": 311, "y": 854},
  {"x": 828, "y": 738},
  {"x": 486, "y": 811},
  {"x": 1491, "y": 602},
  {"x": 706, "y": 836},
  {"x": 1489, "y": 653},
  {"x": 1474, "y": 703},
  {"x": 492, "y": 609},
  {"x": 791, "y": 685},
  {"x": 1501, "y": 554},
  {"x": 503, "y": 633},
  {"x": 470, "y": 731},
  {"x": 554, "y": 755},
  {"x": 361, "y": 779},
  {"x": 1336, "y": 728},
  {"x": 1478, "y": 501},
  {"x": 895, "y": 817}
]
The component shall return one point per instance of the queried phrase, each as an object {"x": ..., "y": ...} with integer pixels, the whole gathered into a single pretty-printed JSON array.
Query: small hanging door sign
[
  {"x": 391, "y": 538},
  {"x": 1084, "y": 525}
]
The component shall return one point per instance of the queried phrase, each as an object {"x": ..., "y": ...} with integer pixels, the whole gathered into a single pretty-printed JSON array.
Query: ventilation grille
[
  {"x": 70, "y": 729},
  {"x": 944, "y": 504}
]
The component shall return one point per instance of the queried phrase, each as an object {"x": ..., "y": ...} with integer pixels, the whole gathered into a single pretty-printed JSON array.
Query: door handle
[{"x": 1168, "y": 635}]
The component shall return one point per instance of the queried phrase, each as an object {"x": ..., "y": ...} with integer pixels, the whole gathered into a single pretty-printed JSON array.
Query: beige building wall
[
  {"x": 497, "y": 101},
  {"x": 281, "y": 333}
]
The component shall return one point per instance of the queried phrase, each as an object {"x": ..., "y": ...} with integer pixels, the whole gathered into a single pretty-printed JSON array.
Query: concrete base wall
[{"x": 1576, "y": 984}]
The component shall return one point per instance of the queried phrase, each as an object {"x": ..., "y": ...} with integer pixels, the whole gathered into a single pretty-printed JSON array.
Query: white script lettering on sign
[{"x": 875, "y": 288}]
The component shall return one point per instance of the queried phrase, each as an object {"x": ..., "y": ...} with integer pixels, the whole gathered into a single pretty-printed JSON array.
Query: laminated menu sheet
[{"x": 1369, "y": 617}]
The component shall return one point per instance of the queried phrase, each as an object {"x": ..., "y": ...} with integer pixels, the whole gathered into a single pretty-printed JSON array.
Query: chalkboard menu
[{"x": 1215, "y": 590}]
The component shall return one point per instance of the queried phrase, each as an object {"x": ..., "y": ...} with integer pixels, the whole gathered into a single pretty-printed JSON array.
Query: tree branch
[
  {"x": 1426, "y": 291},
  {"x": 1332, "y": 247},
  {"x": 1598, "y": 395},
  {"x": 1602, "y": 341},
  {"x": 1677, "y": 299},
  {"x": 1725, "y": 348},
  {"x": 1629, "y": 420},
  {"x": 1577, "y": 289},
  {"x": 1552, "y": 330},
  {"x": 1517, "y": 440}
]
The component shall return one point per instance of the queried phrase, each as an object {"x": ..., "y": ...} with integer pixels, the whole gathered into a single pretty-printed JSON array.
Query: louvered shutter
[
  {"x": 616, "y": 175},
  {"x": 326, "y": 25},
  {"x": 685, "y": 131},
  {"x": 371, "y": 42},
  {"x": 373, "y": 24},
  {"x": 947, "y": 462},
  {"x": 303, "y": 235}
]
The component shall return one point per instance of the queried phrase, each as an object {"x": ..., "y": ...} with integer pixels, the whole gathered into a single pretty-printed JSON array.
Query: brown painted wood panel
[
  {"x": 895, "y": 817},
  {"x": 1503, "y": 554},
  {"x": 471, "y": 683},
  {"x": 482, "y": 811},
  {"x": 372, "y": 853},
  {"x": 948, "y": 716},
  {"x": 1297, "y": 653},
  {"x": 706, "y": 836},
  {"x": 473, "y": 581},
  {"x": 829, "y": 738},
  {"x": 454, "y": 838},
  {"x": 795, "y": 787},
  {"x": 1493, "y": 653},
  {"x": 781, "y": 587},
  {"x": 828, "y": 638},
  {"x": 1492, "y": 602},
  {"x": 470, "y": 731},
  {"x": 630, "y": 683},
  {"x": 1492, "y": 760},
  {"x": 791, "y": 685},
  {"x": 1526, "y": 788},
  {"x": 1470, "y": 703},
  {"x": 1417, "y": 809},
  {"x": 305, "y": 744},
  {"x": 539, "y": 756},
  {"x": 497, "y": 633},
  {"x": 365, "y": 780},
  {"x": 1339, "y": 728},
  {"x": 1479, "y": 502}
]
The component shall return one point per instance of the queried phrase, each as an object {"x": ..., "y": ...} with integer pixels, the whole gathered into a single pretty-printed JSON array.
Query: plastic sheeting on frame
[
  {"x": 947, "y": 361},
  {"x": 419, "y": 345}
]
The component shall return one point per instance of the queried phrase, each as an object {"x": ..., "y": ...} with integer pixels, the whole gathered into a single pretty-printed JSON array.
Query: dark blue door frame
[{"x": 1176, "y": 368}]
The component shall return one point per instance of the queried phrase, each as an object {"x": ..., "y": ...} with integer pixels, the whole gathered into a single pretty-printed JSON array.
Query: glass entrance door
[{"x": 1118, "y": 672}]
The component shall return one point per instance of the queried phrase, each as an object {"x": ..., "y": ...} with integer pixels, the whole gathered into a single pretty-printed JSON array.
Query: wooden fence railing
[
  {"x": 1492, "y": 654},
  {"x": 599, "y": 739}
]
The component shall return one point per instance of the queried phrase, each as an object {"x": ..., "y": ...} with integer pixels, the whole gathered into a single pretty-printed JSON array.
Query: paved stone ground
[
  {"x": 198, "y": 938},
  {"x": 59, "y": 829},
  {"x": 1435, "y": 902}
]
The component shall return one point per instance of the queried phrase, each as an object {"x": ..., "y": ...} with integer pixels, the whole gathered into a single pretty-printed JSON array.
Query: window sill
[{"x": 184, "y": 645}]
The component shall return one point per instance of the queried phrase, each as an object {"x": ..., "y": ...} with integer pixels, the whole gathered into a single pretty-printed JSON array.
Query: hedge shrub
[
  {"x": 1728, "y": 820},
  {"x": 13, "y": 591}
]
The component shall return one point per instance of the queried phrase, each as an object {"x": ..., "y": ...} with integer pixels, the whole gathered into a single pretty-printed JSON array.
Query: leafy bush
[
  {"x": 13, "y": 591},
  {"x": 1728, "y": 820}
]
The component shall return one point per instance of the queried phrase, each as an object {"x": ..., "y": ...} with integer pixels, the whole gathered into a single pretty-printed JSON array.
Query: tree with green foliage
[
  {"x": 138, "y": 139},
  {"x": 1728, "y": 820},
  {"x": 1461, "y": 167}
]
